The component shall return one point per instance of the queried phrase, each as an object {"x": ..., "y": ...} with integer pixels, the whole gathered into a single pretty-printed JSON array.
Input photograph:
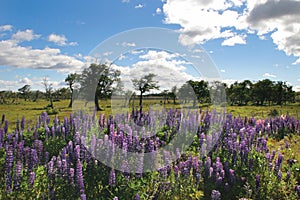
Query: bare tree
[
  {"x": 145, "y": 84},
  {"x": 48, "y": 90}
]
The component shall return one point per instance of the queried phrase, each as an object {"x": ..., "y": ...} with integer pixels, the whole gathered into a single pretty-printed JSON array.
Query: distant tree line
[{"x": 100, "y": 81}]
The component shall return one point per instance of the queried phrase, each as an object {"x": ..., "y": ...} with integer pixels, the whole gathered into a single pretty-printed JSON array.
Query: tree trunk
[
  {"x": 71, "y": 100},
  {"x": 97, "y": 103},
  {"x": 141, "y": 102}
]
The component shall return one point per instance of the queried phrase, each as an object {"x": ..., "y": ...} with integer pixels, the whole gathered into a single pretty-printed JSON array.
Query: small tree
[
  {"x": 173, "y": 94},
  {"x": 25, "y": 91},
  {"x": 145, "y": 84},
  {"x": 71, "y": 80},
  {"x": 48, "y": 89}
]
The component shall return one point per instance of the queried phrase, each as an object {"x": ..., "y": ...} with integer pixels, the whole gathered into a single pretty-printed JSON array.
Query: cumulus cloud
[
  {"x": 15, "y": 55},
  {"x": 15, "y": 84},
  {"x": 125, "y": 1},
  {"x": 128, "y": 44},
  {"x": 27, "y": 35},
  {"x": 6, "y": 28},
  {"x": 170, "y": 69},
  {"x": 296, "y": 88},
  {"x": 139, "y": 6},
  {"x": 60, "y": 40},
  {"x": 158, "y": 11},
  {"x": 233, "y": 20},
  {"x": 268, "y": 75},
  {"x": 237, "y": 39}
]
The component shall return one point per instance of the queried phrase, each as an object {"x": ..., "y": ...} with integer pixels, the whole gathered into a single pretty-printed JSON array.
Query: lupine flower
[
  {"x": 215, "y": 195},
  {"x": 112, "y": 178},
  {"x": 231, "y": 176},
  {"x": 115, "y": 198},
  {"x": 137, "y": 197},
  {"x": 79, "y": 177},
  {"x": 31, "y": 178},
  {"x": 279, "y": 175},
  {"x": 297, "y": 189},
  {"x": 82, "y": 197},
  {"x": 257, "y": 182},
  {"x": 288, "y": 176},
  {"x": 176, "y": 170}
]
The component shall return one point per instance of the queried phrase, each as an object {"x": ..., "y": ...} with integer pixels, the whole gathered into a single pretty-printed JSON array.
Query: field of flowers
[{"x": 229, "y": 158}]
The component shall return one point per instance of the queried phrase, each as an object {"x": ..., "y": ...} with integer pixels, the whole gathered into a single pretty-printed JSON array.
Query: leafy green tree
[
  {"x": 145, "y": 84},
  {"x": 97, "y": 82},
  {"x": 25, "y": 91}
]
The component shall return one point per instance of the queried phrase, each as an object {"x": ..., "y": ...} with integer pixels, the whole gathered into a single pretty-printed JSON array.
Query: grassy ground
[{"x": 31, "y": 110}]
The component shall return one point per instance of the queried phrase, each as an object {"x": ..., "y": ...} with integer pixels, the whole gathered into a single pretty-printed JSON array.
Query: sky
[{"x": 245, "y": 39}]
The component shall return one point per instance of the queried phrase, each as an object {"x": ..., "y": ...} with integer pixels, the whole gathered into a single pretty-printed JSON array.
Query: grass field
[{"x": 31, "y": 110}]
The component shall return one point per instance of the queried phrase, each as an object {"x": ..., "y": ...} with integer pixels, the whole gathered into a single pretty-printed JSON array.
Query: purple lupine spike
[
  {"x": 211, "y": 171},
  {"x": 231, "y": 176},
  {"x": 77, "y": 152},
  {"x": 9, "y": 159},
  {"x": 207, "y": 165},
  {"x": 112, "y": 178},
  {"x": 79, "y": 177},
  {"x": 5, "y": 126},
  {"x": 50, "y": 167},
  {"x": 288, "y": 176},
  {"x": 71, "y": 176},
  {"x": 115, "y": 198},
  {"x": 257, "y": 182},
  {"x": 31, "y": 179},
  {"x": 82, "y": 197},
  {"x": 34, "y": 157},
  {"x": 279, "y": 175},
  {"x": 176, "y": 170},
  {"x": 137, "y": 197},
  {"x": 17, "y": 178},
  {"x": 297, "y": 189},
  {"x": 1, "y": 137},
  {"x": 219, "y": 181},
  {"x": 215, "y": 195}
]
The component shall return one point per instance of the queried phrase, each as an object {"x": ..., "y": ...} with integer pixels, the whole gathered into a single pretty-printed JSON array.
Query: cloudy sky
[{"x": 246, "y": 39}]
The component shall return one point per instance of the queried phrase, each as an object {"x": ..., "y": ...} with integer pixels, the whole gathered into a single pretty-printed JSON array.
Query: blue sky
[{"x": 246, "y": 39}]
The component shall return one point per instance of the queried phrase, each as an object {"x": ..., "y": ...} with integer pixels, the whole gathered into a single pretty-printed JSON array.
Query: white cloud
[
  {"x": 125, "y": 1},
  {"x": 233, "y": 20},
  {"x": 128, "y": 44},
  {"x": 268, "y": 75},
  {"x": 25, "y": 81},
  {"x": 158, "y": 11},
  {"x": 26, "y": 35},
  {"x": 60, "y": 40},
  {"x": 6, "y": 28},
  {"x": 15, "y": 55},
  {"x": 229, "y": 81},
  {"x": 222, "y": 70},
  {"x": 139, "y": 6},
  {"x": 296, "y": 88},
  {"x": 169, "y": 68},
  {"x": 296, "y": 62},
  {"x": 237, "y": 39},
  {"x": 15, "y": 84}
]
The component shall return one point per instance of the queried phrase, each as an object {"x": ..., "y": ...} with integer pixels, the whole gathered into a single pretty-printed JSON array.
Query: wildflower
[
  {"x": 215, "y": 195},
  {"x": 137, "y": 197},
  {"x": 112, "y": 178},
  {"x": 257, "y": 182}
]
